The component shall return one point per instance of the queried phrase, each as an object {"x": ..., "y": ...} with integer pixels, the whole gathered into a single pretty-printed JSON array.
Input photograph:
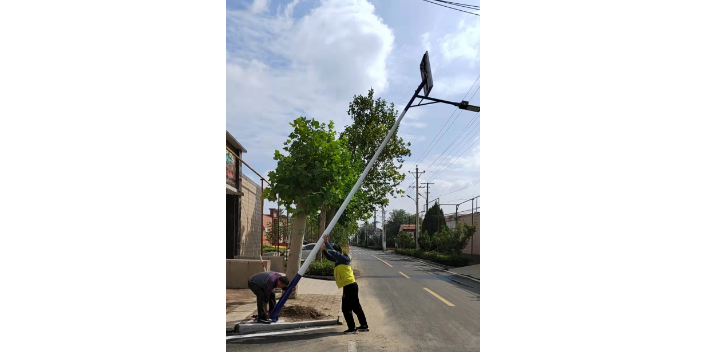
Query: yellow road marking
[
  {"x": 438, "y": 297},
  {"x": 382, "y": 261},
  {"x": 405, "y": 275}
]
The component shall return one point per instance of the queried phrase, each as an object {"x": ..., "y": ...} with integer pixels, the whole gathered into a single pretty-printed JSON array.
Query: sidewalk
[
  {"x": 240, "y": 304},
  {"x": 471, "y": 271},
  {"x": 317, "y": 300}
]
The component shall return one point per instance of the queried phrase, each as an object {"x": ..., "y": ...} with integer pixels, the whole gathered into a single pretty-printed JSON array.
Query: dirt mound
[{"x": 301, "y": 312}]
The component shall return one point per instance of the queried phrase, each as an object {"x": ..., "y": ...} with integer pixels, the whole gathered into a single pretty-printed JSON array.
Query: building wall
[
  {"x": 467, "y": 219},
  {"x": 251, "y": 217}
]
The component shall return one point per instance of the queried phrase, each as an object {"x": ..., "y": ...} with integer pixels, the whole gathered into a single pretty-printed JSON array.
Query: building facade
[
  {"x": 243, "y": 205},
  {"x": 251, "y": 216},
  {"x": 233, "y": 192}
]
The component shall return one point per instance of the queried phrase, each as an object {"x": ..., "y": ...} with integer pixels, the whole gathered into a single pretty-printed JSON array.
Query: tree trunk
[
  {"x": 322, "y": 224},
  {"x": 296, "y": 244}
]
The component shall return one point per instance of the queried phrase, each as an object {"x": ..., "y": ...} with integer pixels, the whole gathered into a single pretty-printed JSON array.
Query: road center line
[
  {"x": 382, "y": 260},
  {"x": 352, "y": 346},
  {"x": 404, "y": 275},
  {"x": 438, "y": 297}
]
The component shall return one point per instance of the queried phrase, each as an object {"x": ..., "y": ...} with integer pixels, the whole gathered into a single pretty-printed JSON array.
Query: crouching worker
[
  {"x": 263, "y": 285},
  {"x": 350, "y": 291}
]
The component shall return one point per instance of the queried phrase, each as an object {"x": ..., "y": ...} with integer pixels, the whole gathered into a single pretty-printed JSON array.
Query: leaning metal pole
[{"x": 277, "y": 309}]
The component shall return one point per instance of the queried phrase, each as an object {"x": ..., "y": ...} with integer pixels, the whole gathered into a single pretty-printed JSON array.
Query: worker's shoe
[
  {"x": 263, "y": 320},
  {"x": 363, "y": 328},
  {"x": 350, "y": 331}
]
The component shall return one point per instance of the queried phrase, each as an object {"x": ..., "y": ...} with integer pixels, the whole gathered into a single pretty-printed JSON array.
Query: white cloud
[
  {"x": 289, "y": 8},
  {"x": 463, "y": 44},
  {"x": 425, "y": 38},
  {"x": 259, "y": 6},
  {"x": 282, "y": 68}
]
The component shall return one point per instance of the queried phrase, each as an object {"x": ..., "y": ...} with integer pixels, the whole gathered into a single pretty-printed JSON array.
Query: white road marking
[
  {"x": 278, "y": 332},
  {"x": 352, "y": 346}
]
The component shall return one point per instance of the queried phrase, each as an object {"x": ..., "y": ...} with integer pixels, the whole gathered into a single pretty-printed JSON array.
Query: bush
[
  {"x": 425, "y": 242},
  {"x": 268, "y": 248},
  {"x": 405, "y": 240},
  {"x": 433, "y": 256},
  {"x": 324, "y": 268}
]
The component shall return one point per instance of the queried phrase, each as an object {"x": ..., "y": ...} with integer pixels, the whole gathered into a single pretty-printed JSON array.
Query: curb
[
  {"x": 466, "y": 276},
  {"x": 256, "y": 327},
  {"x": 461, "y": 283}
]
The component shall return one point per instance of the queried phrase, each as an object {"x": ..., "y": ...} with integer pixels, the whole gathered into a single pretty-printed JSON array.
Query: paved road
[{"x": 410, "y": 306}]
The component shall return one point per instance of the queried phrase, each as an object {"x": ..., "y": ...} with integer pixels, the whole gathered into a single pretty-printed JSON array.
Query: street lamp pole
[{"x": 426, "y": 85}]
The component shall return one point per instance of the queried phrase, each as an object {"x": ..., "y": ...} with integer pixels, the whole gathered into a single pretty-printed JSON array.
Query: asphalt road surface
[{"x": 410, "y": 306}]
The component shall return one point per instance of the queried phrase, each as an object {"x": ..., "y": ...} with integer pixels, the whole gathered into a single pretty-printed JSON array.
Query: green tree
[
  {"x": 371, "y": 121},
  {"x": 425, "y": 242},
  {"x": 397, "y": 217},
  {"x": 311, "y": 173},
  {"x": 453, "y": 241},
  {"x": 405, "y": 240},
  {"x": 434, "y": 220}
]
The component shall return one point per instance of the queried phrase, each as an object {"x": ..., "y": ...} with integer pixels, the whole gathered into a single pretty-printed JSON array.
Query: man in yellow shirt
[{"x": 350, "y": 291}]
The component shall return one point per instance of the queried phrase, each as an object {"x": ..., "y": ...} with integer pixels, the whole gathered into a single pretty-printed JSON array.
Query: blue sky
[{"x": 287, "y": 58}]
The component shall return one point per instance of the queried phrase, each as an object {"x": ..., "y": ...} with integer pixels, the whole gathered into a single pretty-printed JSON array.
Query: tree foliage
[
  {"x": 313, "y": 171},
  {"x": 397, "y": 217},
  {"x": 371, "y": 121},
  {"x": 434, "y": 220}
]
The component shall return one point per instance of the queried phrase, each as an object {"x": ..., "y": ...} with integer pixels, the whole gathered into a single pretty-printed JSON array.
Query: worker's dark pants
[
  {"x": 261, "y": 297},
  {"x": 350, "y": 303}
]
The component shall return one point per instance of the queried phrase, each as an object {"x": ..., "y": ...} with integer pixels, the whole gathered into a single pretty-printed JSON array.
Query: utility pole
[
  {"x": 417, "y": 213},
  {"x": 457, "y": 208},
  {"x": 383, "y": 230},
  {"x": 471, "y": 243},
  {"x": 374, "y": 232},
  {"x": 427, "y": 193}
]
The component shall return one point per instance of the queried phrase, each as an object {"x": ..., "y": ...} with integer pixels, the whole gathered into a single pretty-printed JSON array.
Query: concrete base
[{"x": 251, "y": 328}]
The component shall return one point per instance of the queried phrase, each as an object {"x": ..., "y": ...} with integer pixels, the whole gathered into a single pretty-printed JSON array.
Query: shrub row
[
  {"x": 445, "y": 259},
  {"x": 324, "y": 268}
]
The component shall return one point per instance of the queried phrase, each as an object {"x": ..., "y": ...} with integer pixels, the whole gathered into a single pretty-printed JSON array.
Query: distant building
[
  {"x": 270, "y": 226},
  {"x": 410, "y": 228}
]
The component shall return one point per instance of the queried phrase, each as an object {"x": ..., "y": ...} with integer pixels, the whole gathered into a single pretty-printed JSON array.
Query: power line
[
  {"x": 457, "y": 158},
  {"x": 465, "y": 187},
  {"x": 400, "y": 202},
  {"x": 453, "y": 141},
  {"x": 430, "y": 146},
  {"x": 450, "y": 155},
  {"x": 458, "y": 135},
  {"x": 475, "y": 7},
  {"x": 434, "y": 3},
  {"x": 453, "y": 122},
  {"x": 438, "y": 173}
]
